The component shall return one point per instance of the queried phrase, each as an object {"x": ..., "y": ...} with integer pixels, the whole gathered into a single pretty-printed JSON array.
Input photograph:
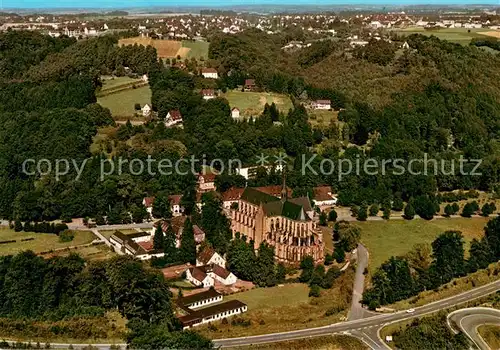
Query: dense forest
[{"x": 435, "y": 98}]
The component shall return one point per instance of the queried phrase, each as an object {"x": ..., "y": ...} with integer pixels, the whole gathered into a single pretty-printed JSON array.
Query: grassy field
[
  {"x": 110, "y": 83},
  {"x": 457, "y": 35},
  {"x": 42, "y": 241},
  {"x": 322, "y": 118},
  {"x": 396, "y": 237},
  {"x": 252, "y": 103},
  {"x": 122, "y": 103},
  {"x": 333, "y": 342},
  {"x": 91, "y": 253},
  {"x": 286, "y": 307},
  {"x": 491, "y": 335},
  {"x": 197, "y": 49}
]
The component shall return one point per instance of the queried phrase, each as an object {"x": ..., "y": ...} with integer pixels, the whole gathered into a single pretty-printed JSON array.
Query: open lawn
[
  {"x": 457, "y": 35},
  {"x": 91, "y": 253},
  {"x": 252, "y": 103},
  {"x": 164, "y": 48},
  {"x": 322, "y": 118},
  {"x": 197, "y": 49},
  {"x": 286, "y": 307},
  {"x": 42, "y": 242},
  {"x": 491, "y": 335},
  {"x": 110, "y": 83},
  {"x": 122, "y": 104},
  {"x": 396, "y": 237}
]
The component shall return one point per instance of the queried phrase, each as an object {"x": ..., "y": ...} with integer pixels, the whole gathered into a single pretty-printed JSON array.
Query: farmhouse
[
  {"x": 208, "y": 94},
  {"x": 175, "y": 204},
  {"x": 210, "y": 73},
  {"x": 173, "y": 118},
  {"x": 199, "y": 277},
  {"x": 235, "y": 113},
  {"x": 283, "y": 223},
  {"x": 177, "y": 223},
  {"x": 322, "y": 104}
]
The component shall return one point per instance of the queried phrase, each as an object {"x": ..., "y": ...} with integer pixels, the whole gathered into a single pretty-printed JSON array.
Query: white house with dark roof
[
  {"x": 210, "y": 73},
  {"x": 146, "y": 110},
  {"x": 322, "y": 104},
  {"x": 209, "y": 256},
  {"x": 173, "y": 118},
  {"x": 235, "y": 113}
]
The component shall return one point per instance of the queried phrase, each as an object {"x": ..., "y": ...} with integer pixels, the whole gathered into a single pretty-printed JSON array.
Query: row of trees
[
  {"x": 317, "y": 277},
  {"x": 260, "y": 267},
  {"x": 53, "y": 289},
  {"x": 427, "y": 268}
]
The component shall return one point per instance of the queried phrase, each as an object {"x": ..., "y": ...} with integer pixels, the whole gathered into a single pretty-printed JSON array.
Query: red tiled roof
[
  {"x": 232, "y": 194},
  {"x": 175, "y": 114},
  {"x": 208, "y": 92},
  {"x": 146, "y": 245},
  {"x": 209, "y": 70},
  {"x": 235, "y": 109},
  {"x": 249, "y": 82},
  {"x": 321, "y": 193},
  {"x": 220, "y": 271},
  {"x": 175, "y": 199},
  {"x": 207, "y": 177},
  {"x": 148, "y": 201},
  {"x": 205, "y": 255},
  {"x": 323, "y": 102},
  {"x": 274, "y": 190},
  {"x": 197, "y": 273},
  {"x": 199, "y": 234}
]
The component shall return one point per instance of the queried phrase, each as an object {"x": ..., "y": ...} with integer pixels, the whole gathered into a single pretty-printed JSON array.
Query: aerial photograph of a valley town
[{"x": 250, "y": 175}]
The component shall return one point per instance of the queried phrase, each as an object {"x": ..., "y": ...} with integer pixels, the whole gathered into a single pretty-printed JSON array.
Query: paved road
[
  {"x": 468, "y": 320},
  {"x": 357, "y": 311},
  {"x": 368, "y": 326}
]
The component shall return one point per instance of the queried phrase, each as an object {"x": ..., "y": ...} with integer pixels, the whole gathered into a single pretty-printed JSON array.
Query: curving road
[
  {"x": 366, "y": 329},
  {"x": 468, "y": 320}
]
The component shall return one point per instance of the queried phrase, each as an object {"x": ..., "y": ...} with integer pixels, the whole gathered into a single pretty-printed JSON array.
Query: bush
[
  {"x": 66, "y": 236},
  {"x": 374, "y": 209},
  {"x": 314, "y": 291},
  {"x": 332, "y": 215}
]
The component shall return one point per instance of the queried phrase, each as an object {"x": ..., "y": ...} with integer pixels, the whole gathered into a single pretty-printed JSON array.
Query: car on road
[{"x": 410, "y": 311}]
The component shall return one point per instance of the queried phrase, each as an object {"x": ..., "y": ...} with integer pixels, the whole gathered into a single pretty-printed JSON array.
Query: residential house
[
  {"x": 322, "y": 104},
  {"x": 146, "y": 110},
  {"x": 148, "y": 203},
  {"x": 199, "y": 277},
  {"x": 137, "y": 244},
  {"x": 323, "y": 196},
  {"x": 173, "y": 118},
  {"x": 235, "y": 113},
  {"x": 210, "y": 73},
  {"x": 209, "y": 256},
  {"x": 208, "y": 94},
  {"x": 249, "y": 85},
  {"x": 175, "y": 204},
  {"x": 206, "y": 182}
]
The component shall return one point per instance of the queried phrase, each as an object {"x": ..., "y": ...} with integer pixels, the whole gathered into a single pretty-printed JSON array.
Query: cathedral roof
[{"x": 257, "y": 197}]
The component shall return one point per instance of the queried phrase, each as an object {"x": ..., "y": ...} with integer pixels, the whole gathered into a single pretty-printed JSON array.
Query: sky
[{"x": 46, "y": 4}]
